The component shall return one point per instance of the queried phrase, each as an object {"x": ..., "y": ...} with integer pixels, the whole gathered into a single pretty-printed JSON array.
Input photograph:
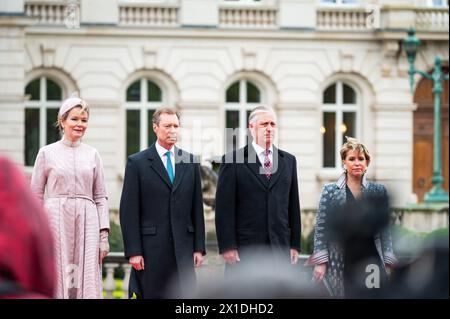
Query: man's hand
[
  {"x": 137, "y": 262},
  {"x": 319, "y": 272},
  {"x": 231, "y": 256},
  {"x": 198, "y": 259},
  {"x": 389, "y": 269},
  {"x": 294, "y": 256}
]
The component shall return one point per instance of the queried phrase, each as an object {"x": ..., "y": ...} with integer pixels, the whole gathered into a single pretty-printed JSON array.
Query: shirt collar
[
  {"x": 162, "y": 151},
  {"x": 342, "y": 181},
  {"x": 258, "y": 149}
]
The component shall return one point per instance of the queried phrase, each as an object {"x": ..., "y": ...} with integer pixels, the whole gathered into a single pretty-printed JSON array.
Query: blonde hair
[
  {"x": 353, "y": 144},
  {"x": 60, "y": 119}
]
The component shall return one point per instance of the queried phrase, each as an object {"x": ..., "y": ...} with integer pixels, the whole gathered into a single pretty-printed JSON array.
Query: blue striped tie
[{"x": 169, "y": 167}]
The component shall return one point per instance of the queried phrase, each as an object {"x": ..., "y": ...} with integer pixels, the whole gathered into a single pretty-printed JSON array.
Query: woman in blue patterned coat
[{"x": 352, "y": 235}]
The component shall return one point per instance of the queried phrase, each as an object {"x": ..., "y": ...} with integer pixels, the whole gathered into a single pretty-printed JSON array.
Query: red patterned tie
[{"x": 267, "y": 164}]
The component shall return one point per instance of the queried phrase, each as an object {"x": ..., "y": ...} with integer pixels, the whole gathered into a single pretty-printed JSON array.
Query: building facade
[{"x": 327, "y": 68}]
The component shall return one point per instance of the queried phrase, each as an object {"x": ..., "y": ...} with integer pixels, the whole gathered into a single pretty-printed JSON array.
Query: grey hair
[
  {"x": 164, "y": 110},
  {"x": 257, "y": 110}
]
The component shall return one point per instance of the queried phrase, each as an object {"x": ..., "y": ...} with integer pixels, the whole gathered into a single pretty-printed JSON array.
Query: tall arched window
[
  {"x": 142, "y": 98},
  {"x": 340, "y": 116},
  {"x": 240, "y": 97},
  {"x": 44, "y": 98}
]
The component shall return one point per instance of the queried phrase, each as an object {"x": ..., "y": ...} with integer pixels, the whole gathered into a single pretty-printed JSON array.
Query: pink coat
[{"x": 76, "y": 202}]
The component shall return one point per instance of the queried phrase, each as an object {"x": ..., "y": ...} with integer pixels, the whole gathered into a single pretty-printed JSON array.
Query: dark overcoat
[
  {"x": 252, "y": 210},
  {"x": 162, "y": 222}
]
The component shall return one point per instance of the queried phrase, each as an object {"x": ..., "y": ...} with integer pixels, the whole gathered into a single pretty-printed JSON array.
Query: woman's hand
[
  {"x": 319, "y": 272},
  {"x": 104, "y": 244}
]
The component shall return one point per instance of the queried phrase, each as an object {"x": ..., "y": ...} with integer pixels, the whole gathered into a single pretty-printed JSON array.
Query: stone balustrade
[
  {"x": 245, "y": 16},
  {"x": 248, "y": 16},
  {"x": 113, "y": 262},
  {"x": 148, "y": 15},
  {"x": 339, "y": 18},
  {"x": 44, "y": 12},
  {"x": 432, "y": 19}
]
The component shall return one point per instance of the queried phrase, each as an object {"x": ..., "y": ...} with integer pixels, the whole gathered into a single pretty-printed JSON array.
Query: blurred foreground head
[
  {"x": 425, "y": 275},
  {"x": 422, "y": 273},
  {"x": 26, "y": 245},
  {"x": 360, "y": 219},
  {"x": 263, "y": 276}
]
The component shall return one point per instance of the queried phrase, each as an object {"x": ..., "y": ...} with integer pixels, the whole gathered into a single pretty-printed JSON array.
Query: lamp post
[{"x": 411, "y": 45}]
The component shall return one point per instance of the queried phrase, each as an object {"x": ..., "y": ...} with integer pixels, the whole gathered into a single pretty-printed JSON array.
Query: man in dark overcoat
[{"x": 161, "y": 215}]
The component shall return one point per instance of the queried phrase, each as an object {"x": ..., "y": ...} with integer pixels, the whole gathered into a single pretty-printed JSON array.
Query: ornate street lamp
[{"x": 411, "y": 45}]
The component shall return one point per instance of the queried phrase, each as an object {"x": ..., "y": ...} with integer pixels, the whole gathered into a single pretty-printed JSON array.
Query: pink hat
[{"x": 69, "y": 104}]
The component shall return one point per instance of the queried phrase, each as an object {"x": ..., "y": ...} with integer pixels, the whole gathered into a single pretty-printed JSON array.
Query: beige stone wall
[{"x": 194, "y": 66}]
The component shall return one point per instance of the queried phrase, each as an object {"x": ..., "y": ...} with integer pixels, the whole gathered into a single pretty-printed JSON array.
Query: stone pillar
[
  {"x": 99, "y": 12},
  {"x": 201, "y": 13},
  {"x": 297, "y": 14},
  {"x": 12, "y": 79},
  {"x": 12, "y": 7}
]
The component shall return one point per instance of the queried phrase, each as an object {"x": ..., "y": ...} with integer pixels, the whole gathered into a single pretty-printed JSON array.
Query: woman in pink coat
[{"x": 76, "y": 201}]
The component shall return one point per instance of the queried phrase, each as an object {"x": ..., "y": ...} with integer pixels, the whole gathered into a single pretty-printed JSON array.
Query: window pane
[
  {"x": 248, "y": 136},
  {"x": 248, "y": 115},
  {"x": 31, "y": 135},
  {"x": 151, "y": 134},
  {"x": 133, "y": 132},
  {"x": 52, "y": 131},
  {"x": 252, "y": 93},
  {"x": 438, "y": 3},
  {"x": 232, "y": 136},
  {"x": 348, "y": 127},
  {"x": 34, "y": 90},
  {"x": 233, "y": 93},
  {"x": 53, "y": 91},
  {"x": 329, "y": 96},
  {"x": 154, "y": 92},
  {"x": 329, "y": 140},
  {"x": 349, "y": 95},
  {"x": 134, "y": 92}
]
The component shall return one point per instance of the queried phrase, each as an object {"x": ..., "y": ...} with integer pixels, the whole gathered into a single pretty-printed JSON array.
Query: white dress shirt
[
  {"x": 261, "y": 152},
  {"x": 162, "y": 154}
]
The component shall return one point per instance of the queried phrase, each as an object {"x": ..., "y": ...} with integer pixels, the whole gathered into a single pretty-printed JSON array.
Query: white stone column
[
  {"x": 201, "y": 130},
  {"x": 297, "y": 14},
  {"x": 12, "y": 7},
  {"x": 398, "y": 15},
  {"x": 393, "y": 139},
  {"x": 99, "y": 12},
  {"x": 202, "y": 13},
  {"x": 298, "y": 129},
  {"x": 12, "y": 79}
]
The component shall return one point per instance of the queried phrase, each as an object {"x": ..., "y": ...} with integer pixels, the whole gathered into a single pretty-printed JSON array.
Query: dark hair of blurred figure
[
  {"x": 26, "y": 244},
  {"x": 263, "y": 276},
  {"x": 426, "y": 275}
]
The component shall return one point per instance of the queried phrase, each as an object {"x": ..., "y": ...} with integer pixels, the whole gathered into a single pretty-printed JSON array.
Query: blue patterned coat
[{"x": 332, "y": 252}]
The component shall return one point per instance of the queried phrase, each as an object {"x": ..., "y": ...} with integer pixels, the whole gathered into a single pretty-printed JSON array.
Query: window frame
[
  {"x": 339, "y": 108},
  {"x": 432, "y": 5},
  {"x": 42, "y": 105},
  {"x": 338, "y": 3},
  {"x": 143, "y": 106},
  {"x": 243, "y": 107}
]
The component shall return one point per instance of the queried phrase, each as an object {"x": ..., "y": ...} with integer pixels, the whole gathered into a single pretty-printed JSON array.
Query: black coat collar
[
  {"x": 252, "y": 162},
  {"x": 182, "y": 158}
]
